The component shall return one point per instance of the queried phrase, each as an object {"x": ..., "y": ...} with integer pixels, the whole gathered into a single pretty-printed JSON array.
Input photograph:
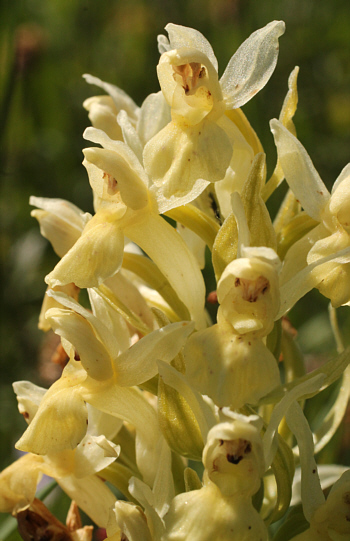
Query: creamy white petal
[
  {"x": 183, "y": 161},
  {"x": 60, "y": 222},
  {"x": 130, "y": 135},
  {"x": 86, "y": 264},
  {"x": 344, "y": 175},
  {"x": 102, "y": 423},
  {"x": 154, "y": 116},
  {"x": 120, "y": 98},
  {"x": 92, "y": 495},
  {"x": 29, "y": 397},
  {"x": 139, "y": 363},
  {"x": 92, "y": 354},
  {"x": 128, "y": 520},
  {"x": 230, "y": 368},
  {"x": 18, "y": 483},
  {"x": 130, "y": 405},
  {"x": 94, "y": 453},
  {"x": 61, "y": 420},
  {"x": 300, "y": 172},
  {"x": 306, "y": 279},
  {"x": 252, "y": 65},
  {"x": 182, "y": 36},
  {"x": 103, "y": 116},
  {"x": 99, "y": 325}
]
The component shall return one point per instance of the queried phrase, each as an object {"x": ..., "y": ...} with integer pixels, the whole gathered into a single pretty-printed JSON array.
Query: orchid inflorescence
[{"x": 166, "y": 425}]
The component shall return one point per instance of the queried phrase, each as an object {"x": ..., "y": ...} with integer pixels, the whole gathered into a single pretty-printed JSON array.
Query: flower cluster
[{"x": 192, "y": 422}]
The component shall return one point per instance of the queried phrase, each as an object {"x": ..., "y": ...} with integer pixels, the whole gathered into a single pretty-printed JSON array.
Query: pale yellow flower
[
  {"x": 331, "y": 238},
  {"x": 196, "y": 147},
  {"x": 222, "y": 508},
  {"x": 125, "y": 207},
  {"x": 73, "y": 469}
]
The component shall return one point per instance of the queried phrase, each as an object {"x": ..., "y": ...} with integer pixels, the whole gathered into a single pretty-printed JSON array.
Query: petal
[
  {"x": 130, "y": 405},
  {"x": 205, "y": 515},
  {"x": 61, "y": 420},
  {"x": 92, "y": 495},
  {"x": 119, "y": 333},
  {"x": 252, "y": 65},
  {"x": 130, "y": 135},
  {"x": 182, "y": 161},
  {"x": 120, "y": 98},
  {"x": 130, "y": 295},
  {"x": 18, "y": 483},
  {"x": 340, "y": 201},
  {"x": 60, "y": 222},
  {"x": 93, "y": 454},
  {"x": 344, "y": 175},
  {"x": 312, "y": 276},
  {"x": 132, "y": 189},
  {"x": 239, "y": 168},
  {"x": 102, "y": 423},
  {"x": 328, "y": 473},
  {"x": 182, "y": 36},
  {"x": 139, "y": 363},
  {"x": 142, "y": 493},
  {"x": 118, "y": 160},
  {"x": 29, "y": 397},
  {"x": 231, "y": 369},
  {"x": 103, "y": 116},
  {"x": 248, "y": 293},
  {"x": 300, "y": 172},
  {"x": 99, "y": 325},
  {"x": 49, "y": 302},
  {"x": 128, "y": 520},
  {"x": 154, "y": 116},
  {"x": 333, "y": 279},
  {"x": 92, "y": 353},
  {"x": 163, "y": 486},
  {"x": 195, "y": 244},
  {"x": 96, "y": 255},
  {"x": 205, "y": 94},
  {"x": 242, "y": 123},
  {"x": 296, "y": 257}
]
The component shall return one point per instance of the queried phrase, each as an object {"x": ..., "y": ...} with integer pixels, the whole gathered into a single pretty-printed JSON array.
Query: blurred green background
[{"x": 45, "y": 47}]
